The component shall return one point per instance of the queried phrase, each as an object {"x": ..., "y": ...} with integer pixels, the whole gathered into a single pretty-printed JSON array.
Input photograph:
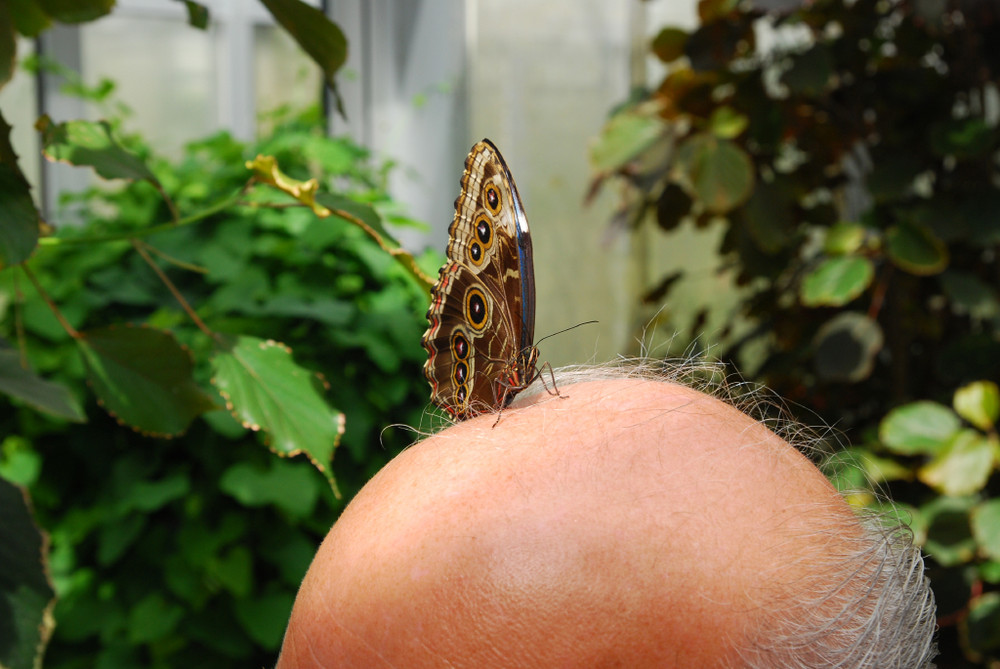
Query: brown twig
[
  {"x": 140, "y": 247},
  {"x": 70, "y": 330}
]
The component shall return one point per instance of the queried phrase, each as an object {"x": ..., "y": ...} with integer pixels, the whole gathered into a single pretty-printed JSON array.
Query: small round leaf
[
  {"x": 978, "y": 403},
  {"x": 668, "y": 45},
  {"x": 844, "y": 238},
  {"x": 836, "y": 281},
  {"x": 846, "y": 346},
  {"x": 919, "y": 427},
  {"x": 721, "y": 173},
  {"x": 963, "y": 467},
  {"x": 914, "y": 248}
]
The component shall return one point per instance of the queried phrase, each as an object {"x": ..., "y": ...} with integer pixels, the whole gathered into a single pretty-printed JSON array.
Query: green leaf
[
  {"x": 316, "y": 34},
  {"x": 35, "y": 391},
  {"x": 949, "y": 535},
  {"x": 919, "y": 427},
  {"x": 285, "y": 485},
  {"x": 837, "y": 281},
  {"x": 668, "y": 45},
  {"x": 980, "y": 629},
  {"x": 18, "y": 217},
  {"x": 978, "y": 403},
  {"x": 76, "y": 11},
  {"x": 197, "y": 14},
  {"x": 152, "y": 619},
  {"x": 8, "y": 45},
  {"x": 846, "y": 347},
  {"x": 360, "y": 211},
  {"x": 90, "y": 144},
  {"x": 720, "y": 173},
  {"x": 142, "y": 377},
  {"x": 267, "y": 391},
  {"x": 29, "y": 19},
  {"x": 26, "y": 594},
  {"x": 986, "y": 527},
  {"x": 913, "y": 248},
  {"x": 233, "y": 570},
  {"x": 727, "y": 123},
  {"x": 962, "y": 467},
  {"x": 769, "y": 216},
  {"x": 624, "y": 136},
  {"x": 962, "y": 138},
  {"x": 265, "y": 618}
]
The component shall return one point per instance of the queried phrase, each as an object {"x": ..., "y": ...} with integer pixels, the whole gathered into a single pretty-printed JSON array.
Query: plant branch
[
  {"x": 140, "y": 246},
  {"x": 70, "y": 330}
]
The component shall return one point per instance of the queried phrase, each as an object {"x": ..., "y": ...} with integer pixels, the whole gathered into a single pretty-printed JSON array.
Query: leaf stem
[
  {"x": 70, "y": 330},
  {"x": 141, "y": 246}
]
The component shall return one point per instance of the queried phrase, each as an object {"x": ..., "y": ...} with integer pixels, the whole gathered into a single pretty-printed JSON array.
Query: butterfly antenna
[{"x": 565, "y": 330}]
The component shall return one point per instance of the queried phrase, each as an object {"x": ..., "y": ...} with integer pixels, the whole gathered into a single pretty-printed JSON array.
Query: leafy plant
[{"x": 852, "y": 164}]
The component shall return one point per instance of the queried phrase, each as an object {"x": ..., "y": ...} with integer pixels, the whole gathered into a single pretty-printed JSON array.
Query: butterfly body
[{"x": 482, "y": 313}]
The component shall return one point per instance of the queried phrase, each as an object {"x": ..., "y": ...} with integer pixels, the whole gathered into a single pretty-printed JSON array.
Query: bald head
[{"x": 635, "y": 523}]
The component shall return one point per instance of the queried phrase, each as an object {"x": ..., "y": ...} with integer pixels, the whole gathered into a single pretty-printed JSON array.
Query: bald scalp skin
[{"x": 636, "y": 523}]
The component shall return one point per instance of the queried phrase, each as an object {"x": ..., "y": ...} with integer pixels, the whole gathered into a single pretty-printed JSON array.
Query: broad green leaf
[
  {"x": 962, "y": 467},
  {"x": 291, "y": 488},
  {"x": 961, "y": 137},
  {"x": 624, "y": 136},
  {"x": 919, "y": 427},
  {"x": 90, "y": 144},
  {"x": 197, "y": 14},
  {"x": 727, "y": 123},
  {"x": 978, "y": 403},
  {"x": 26, "y": 594},
  {"x": 721, "y": 173},
  {"x": 913, "y": 248},
  {"x": 18, "y": 217},
  {"x": 35, "y": 391},
  {"x": 846, "y": 347},
  {"x": 668, "y": 45},
  {"x": 844, "y": 239},
  {"x": 318, "y": 36},
  {"x": 153, "y": 618},
  {"x": 989, "y": 571},
  {"x": 76, "y": 11},
  {"x": 949, "y": 534},
  {"x": 142, "y": 377},
  {"x": 980, "y": 629},
  {"x": 265, "y": 617},
  {"x": 233, "y": 570},
  {"x": 267, "y": 391},
  {"x": 810, "y": 71},
  {"x": 29, "y": 19},
  {"x": 836, "y": 281},
  {"x": 986, "y": 527}
]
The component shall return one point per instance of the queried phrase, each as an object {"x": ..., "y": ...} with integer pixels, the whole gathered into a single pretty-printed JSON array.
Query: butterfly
[{"x": 482, "y": 313}]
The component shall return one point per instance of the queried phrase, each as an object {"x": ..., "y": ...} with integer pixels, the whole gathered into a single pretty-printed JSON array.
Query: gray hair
[{"x": 865, "y": 602}]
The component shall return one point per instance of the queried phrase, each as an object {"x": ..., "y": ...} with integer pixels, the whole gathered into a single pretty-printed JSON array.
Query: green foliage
[
  {"x": 853, "y": 168},
  {"x": 188, "y": 552}
]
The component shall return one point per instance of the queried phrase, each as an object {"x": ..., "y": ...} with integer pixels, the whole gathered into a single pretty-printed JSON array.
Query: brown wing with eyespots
[{"x": 477, "y": 325}]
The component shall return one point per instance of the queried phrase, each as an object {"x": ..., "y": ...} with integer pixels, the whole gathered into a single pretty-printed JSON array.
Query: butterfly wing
[{"x": 482, "y": 307}]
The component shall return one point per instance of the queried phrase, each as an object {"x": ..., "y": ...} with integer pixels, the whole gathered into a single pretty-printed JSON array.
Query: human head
[{"x": 632, "y": 521}]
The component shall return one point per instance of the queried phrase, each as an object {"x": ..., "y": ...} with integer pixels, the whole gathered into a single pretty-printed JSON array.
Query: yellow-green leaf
[
  {"x": 962, "y": 467},
  {"x": 978, "y": 403}
]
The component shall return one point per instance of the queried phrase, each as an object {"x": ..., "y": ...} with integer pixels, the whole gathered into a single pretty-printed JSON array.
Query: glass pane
[
  {"x": 284, "y": 76},
  {"x": 165, "y": 71}
]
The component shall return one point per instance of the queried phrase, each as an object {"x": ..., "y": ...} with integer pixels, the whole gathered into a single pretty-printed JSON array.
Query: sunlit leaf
[
  {"x": 318, "y": 36},
  {"x": 836, "y": 281},
  {"x": 267, "y": 391},
  {"x": 668, "y": 45},
  {"x": 35, "y": 391},
  {"x": 986, "y": 527},
  {"x": 843, "y": 238},
  {"x": 625, "y": 135},
  {"x": 914, "y": 248},
  {"x": 919, "y": 427},
  {"x": 26, "y": 594},
  {"x": 142, "y": 377},
  {"x": 846, "y": 346},
  {"x": 76, "y": 11},
  {"x": 727, "y": 123},
  {"x": 90, "y": 144},
  {"x": 962, "y": 467},
  {"x": 978, "y": 403},
  {"x": 720, "y": 173}
]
